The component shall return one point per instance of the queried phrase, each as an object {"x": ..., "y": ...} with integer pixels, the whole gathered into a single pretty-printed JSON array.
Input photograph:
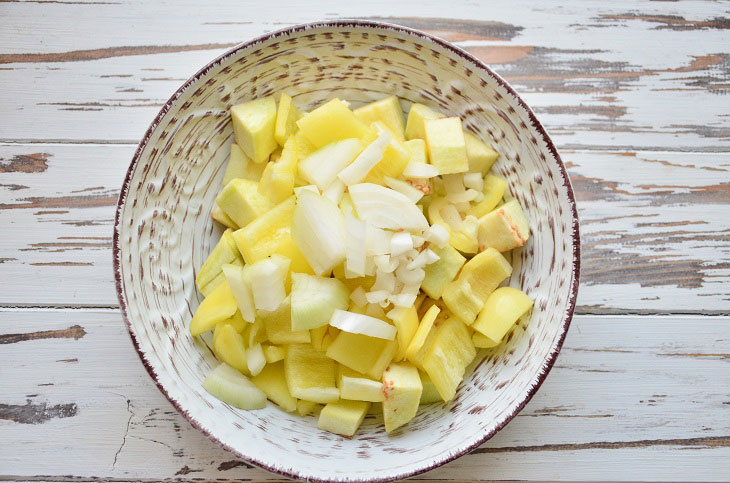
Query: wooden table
[{"x": 635, "y": 94}]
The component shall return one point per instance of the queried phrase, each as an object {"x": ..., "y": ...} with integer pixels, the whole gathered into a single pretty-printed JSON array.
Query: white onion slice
[
  {"x": 335, "y": 191},
  {"x": 416, "y": 169},
  {"x": 358, "y": 297},
  {"x": 385, "y": 263},
  {"x": 438, "y": 235},
  {"x": 412, "y": 193},
  {"x": 377, "y": 296},
  {"x": 426, "y": 257},
  {"x": 404, "y": 299},
  {"x": 452, "y": 217},
  {"x": 474, "y": 181},
  {"x": 318, "y": 229},
  {"x": 418, "y": 241},
  {"x": 410, "y": 277},
  {"x": 241, "y": 291},
  {"x": 355, "y": 246},
  {"x": 309, "y": 187},
  {"x": 384, "y": 281},
  {"x": 378, "y": 241},
  {"x": 471, "y": 226},
  {"x": 366, "y": 160},
  {"x": 266, "y": 279},
  {"x": 463, "y": 197},
  {"x": 400, "y": 243},
  {"x": 411, "y": 289},
  {"x": 362, "y": 324},
  {"x": 255, "y": 359},
  {"x": 386, "y": 208},
  {"x": 322, "y": 166}
]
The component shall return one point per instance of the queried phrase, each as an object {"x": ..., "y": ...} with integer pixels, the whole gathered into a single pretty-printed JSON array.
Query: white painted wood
[
  {"x": 654, "y": 228},
  {"x": 600, "y": 74},
  {"x": 644, "y": 388}
]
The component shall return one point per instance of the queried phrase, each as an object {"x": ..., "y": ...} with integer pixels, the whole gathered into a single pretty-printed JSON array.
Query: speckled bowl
[{"x": 163, "y": 232}]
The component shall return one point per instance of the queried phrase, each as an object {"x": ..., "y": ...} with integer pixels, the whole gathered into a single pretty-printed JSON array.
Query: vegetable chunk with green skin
[
  {"x": 343, "y": 417},
  {"x": 314, "y": 300},
  {"x": 232, "y": 387},
  {"x": 253, "y": 126},
  {"x": 402, "y": 387}
]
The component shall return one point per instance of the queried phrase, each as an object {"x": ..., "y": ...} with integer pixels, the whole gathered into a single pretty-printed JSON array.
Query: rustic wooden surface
[{"x": 635, "y": 94}]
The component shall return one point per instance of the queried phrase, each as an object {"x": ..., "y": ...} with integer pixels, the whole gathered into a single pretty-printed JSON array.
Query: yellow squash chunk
[
  {"x": 278, "y": 326},
  {"x": 242, "y": 202},
  {"x": 214, "y": 308},
  {"x": 458, "y": 239},
  {"x": 219, "y": 215},
  {"x": 504, "y": 228},
  {"x": 229, "y": 348},
  {"x": 208, "y": 288},
  {"x": 237, "y": 164},
  {"x": 254, "y": 333},
  {"x": 493, "y": 192},
  {"x": 305, "y": 408},
  {"x": 481, "y": 157},
  {"x": 272, "y": 381},
  {"x": 236, "y": 320},
  {"x": 406, "y": 322},
  {"x": 417, "y": 117},
  {"x": 343, "y": 417},
  {"x": 277, "y": 180},
  {"x": 430, "y": 394},
  {"x": 450, "y": 353},
  {"x": 481, "y": 341},
  {"x": 286, "y": 119},
  {"x": 331, "y": 122},
  {"x": 356, "y": 386},
  {"x": 417, "y": 150},
  {"x": 446, "y": 145},
  {"x": 304, "y": 148},
  {"x": 310, "y": 374},
  {"x": 417, "y": 348},
  {"x": 225, "y": 251},
  {"x": 387, "y": 111},
  {"x": 441, "y": 272},
  {"x": 317, "y": 336},
  {"x": 266, "y": 235},
  {"x": 502, "y": 309},
  {"x": 395, "y": 159},
  {"x": 402, "y": 387},
  {"x": 273, "y": 353},
  {"x": 366, "y": 355},
  {"x": 254, "y": 171},
  {"x": 253, "y": 127},
  {"x": 481, "y": 275}
]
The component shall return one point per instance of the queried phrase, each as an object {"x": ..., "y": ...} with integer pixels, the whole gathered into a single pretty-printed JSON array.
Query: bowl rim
[{"x": 375, "y": 25}]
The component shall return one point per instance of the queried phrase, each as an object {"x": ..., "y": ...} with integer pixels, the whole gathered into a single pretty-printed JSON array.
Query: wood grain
[
  {"x": 575, "y": 65},
  {"x": 620, "y": 393},
  {"x": 643, "y": 249}
]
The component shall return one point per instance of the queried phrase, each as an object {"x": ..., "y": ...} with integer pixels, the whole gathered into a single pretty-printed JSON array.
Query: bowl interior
[{"x": 164, "y": 232}]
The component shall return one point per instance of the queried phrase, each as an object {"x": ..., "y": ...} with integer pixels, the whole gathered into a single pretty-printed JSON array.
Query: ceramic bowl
[{"x": 163, "y": 232}]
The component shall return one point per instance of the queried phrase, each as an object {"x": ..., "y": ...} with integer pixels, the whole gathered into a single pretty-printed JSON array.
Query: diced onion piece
[
  {"x": 416, "y": 169},
  {"x": 453, "y": 183},
  {"x": 404, "y": 299},
  {"x": 410, "y": 277},
  {"x": 386, "y": 208},
  {"x": 378, "y": 241},
  {"x": 438, "y": 235},
  {"x": 309, "y": 187},
  {"x": 356, "y": 238},
  {"x": 474, "y": 181},
  {"x": 385, "y": 263},
  {"x": 377, "y": 296},
  {"x": 369, "y": 266},
  {"x": 411, "y": 289},
  {"x": 366, "y": 160},
  {"x": 362, "y": 324},
  {"x": 358, "y": 297},
  {"x": 266, "y": 279},
  {"x": 418, "y": 241},
  {"x": 452, "y": 217},
  {"x": 241, "y": 291},
  {"x": 412, "y": 193},
  {"x": 322, "y": 166},
  {"x": 255, "y": 359},
  {"x": 471, "y": 226},
  {"x": 400, "y": 243},
  {"x": 318, "y": 229},
  {"x": 463, "y": 197},
  {"x": 335, "y": 191},
  {"x": 426, "y": 257},
  {"x": 384, "y": 281}
]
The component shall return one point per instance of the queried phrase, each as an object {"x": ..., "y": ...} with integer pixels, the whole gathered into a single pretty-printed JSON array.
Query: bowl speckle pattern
[{"x": 163, "y": 233}]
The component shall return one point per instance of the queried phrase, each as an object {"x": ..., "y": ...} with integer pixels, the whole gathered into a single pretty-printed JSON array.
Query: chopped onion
[
  {"x": 404, "y": 299},
  {"x": 395, "y": 313},
  {"x": 309, "y": 187},
  {"x": 463, "y": 197},
  {"x": 400, "y": 243},
  {"x": 322, "y": 166},
  {"x": 410, "y": 277},
  {"x": 266, "y": 279},
  {"x": 418, "y": 241},
  {"x": 426, "y": 257},
  {"x": 411, "y": 289},
  {"x": 452, "y": 217},
  {"x": 386, "y": 208},
  {"x": 474, "y": 181},
  {"x": 335, "y": 191},
  {"x": 369, "y": 266},
  {"x": 416, "y": 169},
  {"x": 385, "y": 263},
  {"x": 438, "y": 235},
  {"x": 412, "y": 193},
  {"x": 378, "y": 241},
  {"x": 358, "y": 297},
  {"x": 471, "y": 226},
  {"x": 377, "y": 296},
  {"x": 362, "y": 324},
  {"x": 479, "y": 198},
  {"x": 384, "y": 281},
  {"x": 355, "y": 246},
  {"x": 255, "y": 359},
  {"x": 318, "y": 229},
  {"x": 366, "y": 160},
  {"x": 241, "y": 291}
]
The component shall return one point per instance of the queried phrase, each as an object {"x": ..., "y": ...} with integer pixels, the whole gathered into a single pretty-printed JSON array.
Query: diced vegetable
[
  {"x": 362, "y": 324},
  {"x": 315, "y": 299},
  {"x": 343, "y": 417},
  {"x": 272, "y": 381},
  {"x": 501, "y": 310},
  {"x": 385, "y": 208},
  {"x": 217, "y": 306},
  {"x": 322, "y": 166},
  {"x": 232, "y": 387},
  {"x": 318, "y": 228},
  {"x": 253, "y": 126}
]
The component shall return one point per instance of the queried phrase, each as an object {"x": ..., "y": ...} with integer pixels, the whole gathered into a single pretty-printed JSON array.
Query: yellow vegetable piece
[
  {"x": 356, "y": 386},
  {"x": 446, "y": 145},
  {"x": 366, "y": 355},
  {"x": 229, "y": 348},
  {"x": 219, "y": 215},
  {"x": 236, "y": 320},
  {"x": 286, "y": 119},
  {"x": 406, "y": 322},
  {"x": 317, "y": 336},
  {"x": 331, "y": 122},
  {"x": 493, "y": 192},
  {"x": 255, "y": 333},
  {"x": 387, "y": 111},
  {"x": 277, "y": 180},
  {"x": 502, "y": 309},
  {"x": 225, "y": 251},
  {"x": 504, "y": 228},
  {"x": 272, "y": 381},
  {"x": 441, "y": 272},
  {"x": 481, "y": 341},
  {"x": 417, "y": 117},
  {"x": 430, "y": 394},
  {"x": 253, "y": 127},
  {"x": 481, "y": 157},
  {"x": 395, "y": 159},
  {"x": 403, "y": 388},
  {"x": 458, "y": 239},
  {"x": 343, "y": 417},
  {"x": 305, "y": 408},
  {"x": 417, "y": 150},
  {"x": 278, "y": 326},
  {"x": 450, "y": 353},
  {"x": 242, "y": 202},
  {"x": 310, "y": 374},
  {"x": 216, "y": 307},
  {"x": 418, "y": 343},
  {"x": 273, "y": 353},
  {"x": 237, "y": 164}
]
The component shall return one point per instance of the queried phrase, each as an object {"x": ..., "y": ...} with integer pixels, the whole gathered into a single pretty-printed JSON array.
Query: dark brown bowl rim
[{"x": 376, "y": 26}]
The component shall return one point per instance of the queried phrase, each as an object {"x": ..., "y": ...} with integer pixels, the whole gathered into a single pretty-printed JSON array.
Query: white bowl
[{"x": 163, "y": 232}]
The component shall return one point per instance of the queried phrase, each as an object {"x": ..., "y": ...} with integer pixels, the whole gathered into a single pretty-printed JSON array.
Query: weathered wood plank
[
  {"x": 576, "y": 65},
  {"x": 654, "y": 227},
  {"x": 642, "y": 393}
]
